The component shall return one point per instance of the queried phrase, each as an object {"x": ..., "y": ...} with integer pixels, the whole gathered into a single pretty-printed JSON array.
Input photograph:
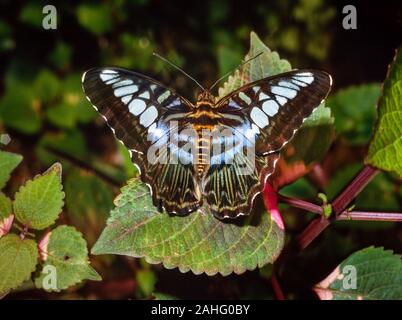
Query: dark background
[{"x": 205, "y": 38}]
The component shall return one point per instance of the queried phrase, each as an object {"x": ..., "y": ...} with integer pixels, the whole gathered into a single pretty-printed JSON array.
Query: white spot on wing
[
  {"x": 148, "y": 116},
  {"x": 281, "y": 100},
  {"x": 288, "y": 85},
  {"x": 256, "y": 88},
  {"x": 163, "y": 96},
  {"x": 263, "y": 96},
  {"x": 300, "y": 83},
  {"x": 106, "y": 76},
  {"x": 306, "y": 79},
  {"x": 126, "y": 82},
  {"x": 126, "y": 99},
  {"x": 259, "y": 117},
  {"x": 123, "y": 91},
  {"x": 109, "y": 71},
  {"x": 270, "y": 107},
  {"x": 286, "y": 92},
  {"x": 244, "y": 97},
  {"x": 136, "y": 106},
  {"x": 144, "y": 95}
]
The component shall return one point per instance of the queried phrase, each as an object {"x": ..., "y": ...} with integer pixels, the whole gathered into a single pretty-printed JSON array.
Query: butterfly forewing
[
  {"x": 273, "y": 109},
  {"x": 142, "y": 114}
]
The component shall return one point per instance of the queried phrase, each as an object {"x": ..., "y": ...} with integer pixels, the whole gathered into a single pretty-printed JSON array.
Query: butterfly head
[{"x": 205, "y": 97}]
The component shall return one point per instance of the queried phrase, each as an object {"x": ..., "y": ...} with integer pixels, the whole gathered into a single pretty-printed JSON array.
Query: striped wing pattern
[
  {"x": 140, "y": 112},
  {"x": 263, "y": 115}
]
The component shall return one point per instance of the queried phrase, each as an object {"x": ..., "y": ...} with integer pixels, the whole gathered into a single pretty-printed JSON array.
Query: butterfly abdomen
[{"x": 204, "y": 121}]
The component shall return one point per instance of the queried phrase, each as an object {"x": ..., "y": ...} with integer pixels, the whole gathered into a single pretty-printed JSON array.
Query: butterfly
[{"x": 184, "y": 174}]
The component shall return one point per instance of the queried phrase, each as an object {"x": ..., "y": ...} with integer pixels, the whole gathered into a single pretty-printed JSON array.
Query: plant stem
[
  {"x": 277, "y": 288},
  {"x": 301, "y": 204},
  {"x": 318, "y": 225},
  {"x": 353, "y": 189},
  {"x": 370, "y": 216}
]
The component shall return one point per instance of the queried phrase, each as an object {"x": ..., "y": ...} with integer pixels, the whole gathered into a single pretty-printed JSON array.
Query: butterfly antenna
[
  {"x": 231, "y": 71},
  {"x": 178, "y": 68}
]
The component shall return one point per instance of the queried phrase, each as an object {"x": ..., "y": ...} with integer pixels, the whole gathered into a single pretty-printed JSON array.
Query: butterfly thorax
[{"x": 205, "y": 98}]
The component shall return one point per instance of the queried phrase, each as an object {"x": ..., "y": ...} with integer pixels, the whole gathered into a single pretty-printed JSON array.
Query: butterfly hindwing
[{"x": 142, "y": 113}]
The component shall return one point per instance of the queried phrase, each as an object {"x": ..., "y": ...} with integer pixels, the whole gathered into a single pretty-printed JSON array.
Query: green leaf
[
  {"x": 39, "y": 202},
  {"x": 164, "y": 296},
  {"x": 62, "y": 115},
  {"x": 385, "y": 150},
  {"x": 227, "y": 59},
  {"x": 354, "y": 111},
  {"x": 197, "y": 242},
  {"x": 67, "y": 252},
  {"x": 146, "y": 280},
  {"x": 96, "y": 18},
  {"x": 18, "y": 259},
  {"x": 6, "y": 208},
  {"x": 378, "y": 276},
  {"x": 47, "y": 85},
  {"x": 32, "y": 14},
  {"x": 19, "y": 110},
  {"x": 265, "y": 65},
  {"x": 73, "y": 98},
  {"x": 6, "y": 214},
  {"x": 60, "y": 56},
  {"x": 8, "y": 162},
  {"x": 89, "y": 205},
  {"x": 71, "y": 142}
]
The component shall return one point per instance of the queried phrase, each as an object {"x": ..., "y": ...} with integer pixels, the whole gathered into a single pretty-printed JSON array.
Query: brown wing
[{"x": 142, "y": 113}]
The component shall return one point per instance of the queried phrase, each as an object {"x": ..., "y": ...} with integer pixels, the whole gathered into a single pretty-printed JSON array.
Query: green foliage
[
  {"x": 60, "y": 56},
  {"x": 19, "y": 109},
  {"x": 6, "y": 40},
  {"x": 197, "y": 242},
  {"x": 68, "y": 253},
  {"x": 378, "y": 276},
  {"x": 47, "y": 86},
  {"x": 32, "y": 14},
  {"x": 96, "y": 19},
  {"x": 8, "y": 162},
  {"x": 90, "y": 204},
  {"x": 37, "y": 205},
  {"x": 146, "y": 280},
  {"x": 385, "y": 151},
  {"x": 18, "y": 259},
  {"x": 354, "y": 111},
  {"x": 39, "y": 202},
  {"x": 5, "y": 207}
]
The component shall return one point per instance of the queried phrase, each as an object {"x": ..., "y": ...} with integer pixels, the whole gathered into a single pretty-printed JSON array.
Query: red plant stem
[
  {"x": 277, "y": 288},
  {"x": 353, "y": 189},
  {"x": 312, "y": 231},
  {"x": 318, "y": 225},
  {"x": 370, "y": 216},
  {"x": 301, "y": 204}
]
